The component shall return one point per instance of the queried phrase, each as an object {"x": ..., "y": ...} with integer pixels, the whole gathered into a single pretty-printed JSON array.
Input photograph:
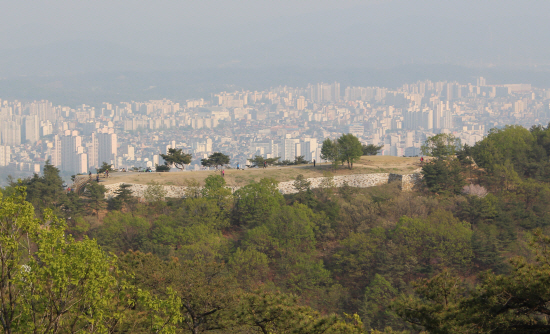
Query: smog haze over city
[{"x": 82, "y": 83}]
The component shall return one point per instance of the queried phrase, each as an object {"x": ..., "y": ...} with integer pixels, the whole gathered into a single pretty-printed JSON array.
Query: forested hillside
[{"x": 467, "y": 251}]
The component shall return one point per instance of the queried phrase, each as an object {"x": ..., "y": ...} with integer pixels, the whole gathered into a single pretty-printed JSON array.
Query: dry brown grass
[{"x": 367, "y": 165}]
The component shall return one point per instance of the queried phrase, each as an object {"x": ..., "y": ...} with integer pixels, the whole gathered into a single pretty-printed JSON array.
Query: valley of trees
[{"x": 467, "y": 251}]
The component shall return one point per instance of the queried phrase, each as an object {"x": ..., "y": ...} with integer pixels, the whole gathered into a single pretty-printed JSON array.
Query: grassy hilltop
[{"x": 367, "y": 165}]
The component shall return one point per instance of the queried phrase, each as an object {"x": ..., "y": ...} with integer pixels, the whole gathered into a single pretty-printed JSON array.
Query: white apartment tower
[
  {"x": 10, "y": 130},
  {"x": 31, "y": 129},
  {"x": 107, "y": 148},
  {"x": 91, "y": 149},
  {"x": 5, "y": 155},
  {"x": 73, "y": 158},
  {"x": 287, "y": 150},
  {"x": 56, "y": 152}
]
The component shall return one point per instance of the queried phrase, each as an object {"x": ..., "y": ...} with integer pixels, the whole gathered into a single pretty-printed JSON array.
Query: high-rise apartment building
[
  {"x": 73, "y": 157},
  {"x": 107, "y": 148},
  {"x": 91, "y": 150},
  {"x": 309, "y": 148},
  {"x": 287, "y": 149},
  {"x": 10, "y": 131},
  {"x": 481, "y": 82},
  {"x": 56, "y": 152},
  {"x": 30, "y": 129},
  {"x": 5, "y": 155},
  {"x": 336, "y": 92},
  {"x": 301, "y": 103}
]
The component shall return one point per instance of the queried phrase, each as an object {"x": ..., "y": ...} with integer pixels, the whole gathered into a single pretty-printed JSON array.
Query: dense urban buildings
[{"x": 282, "y": 122}]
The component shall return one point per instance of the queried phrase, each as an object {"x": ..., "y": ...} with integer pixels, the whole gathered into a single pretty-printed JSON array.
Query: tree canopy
[
  {"x": 351, "y": 149},
  {"x": 330, "y": 151},
  {"x": 441, "y": 146},
  {"x": 104, "y": 167},
  {"x": 371, "y": 149},
  {"x": 346, "y": 148},
  {"x": 215, "y": 160},
  {"x": 175, "y": 157},
  {"x": 466, "y": 250},
  {"x": 258, "y": 160}
]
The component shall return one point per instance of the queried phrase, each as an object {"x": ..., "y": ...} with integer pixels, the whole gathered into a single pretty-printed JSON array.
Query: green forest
[{"x": 467, "y": 251}]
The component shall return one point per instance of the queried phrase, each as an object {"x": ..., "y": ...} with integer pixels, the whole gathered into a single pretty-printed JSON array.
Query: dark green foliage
[
  {"x": 45, "y": 191},
  {"x": 508, "y": 303},
  {"x": 300, "y": 160},
  {"x": 162, "y": 168},
  {"x": 443, "y": 176},
  {"x": 95, "y": 197},
  {"x": 256, "y": 203},
  {"x": 304, "y": 195},
  {"x": 284, "y": 163},
  {"x": 122, "y": 232},
  {"x": 215, "y": 160},
  {"x": 526, "y": 151},
  {"x": 175, "y": 157},
  {"x": 258, "y": 161},
  {"x": 347, "y": 148},
  {"x": 350, "y": 149},
  {"x": 441, "y": 146},
  {"x": 375, "y": 311},
  {"x": 123, "y": 198},
  {"x": 330, "y": 151},
  {"x": 104, "y": 167},
  {"x": 371, "y": 149},
  {"x": 488, "y": 248}
]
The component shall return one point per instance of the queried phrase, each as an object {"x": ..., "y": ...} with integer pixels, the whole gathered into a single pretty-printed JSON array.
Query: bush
[{"x": 162, "y": 168}]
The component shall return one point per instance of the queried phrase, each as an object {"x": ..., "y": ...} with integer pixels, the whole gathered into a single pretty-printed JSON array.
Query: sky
[{"x": 60, "y": 38}]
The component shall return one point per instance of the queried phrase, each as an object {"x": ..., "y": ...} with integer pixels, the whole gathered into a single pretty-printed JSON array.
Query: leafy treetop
[
  {"x": 371, "y": 149},
  {"x": 215, "y": 159},
  {"x": 441, "y": 146},
  {"x": 176, "y": 157}
]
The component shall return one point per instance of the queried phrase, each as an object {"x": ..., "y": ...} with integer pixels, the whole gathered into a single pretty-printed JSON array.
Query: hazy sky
[{"x": 55, "y": 36}]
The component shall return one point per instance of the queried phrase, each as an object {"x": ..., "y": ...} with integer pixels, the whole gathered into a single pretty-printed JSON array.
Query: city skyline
[{"x": 283, "y": 122}]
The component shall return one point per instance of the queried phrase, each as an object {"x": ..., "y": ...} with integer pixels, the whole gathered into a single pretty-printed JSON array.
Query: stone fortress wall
[{"x": 408, "y": 181}]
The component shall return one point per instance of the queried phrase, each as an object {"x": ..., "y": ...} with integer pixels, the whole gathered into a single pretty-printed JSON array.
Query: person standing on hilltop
[
  {"x": 223, "y": 172},
  {"x": 265, "y": 164},
  {"x": 313, "y": 162}
]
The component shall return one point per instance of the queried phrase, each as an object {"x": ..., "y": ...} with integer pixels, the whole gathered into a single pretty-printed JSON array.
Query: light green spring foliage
[
  {"x": 50, "y": 282},
  {"x": 347, "y": 148},
  {"x": 330, "y": 151},
  {"x": 257, "y": 202},
  {"x": 441, "y": 240},
  {"x": 513, "y": 143},
  {"x": 351, "y": 149},
  {"x": 215, "y": 189}
]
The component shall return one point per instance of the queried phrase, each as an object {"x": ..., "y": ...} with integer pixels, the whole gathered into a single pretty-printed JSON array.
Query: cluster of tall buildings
[
  {"x": 288, "y": 148},
  {"x": 72, "y": 153},
  {"x": 283, "y": 121}
]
